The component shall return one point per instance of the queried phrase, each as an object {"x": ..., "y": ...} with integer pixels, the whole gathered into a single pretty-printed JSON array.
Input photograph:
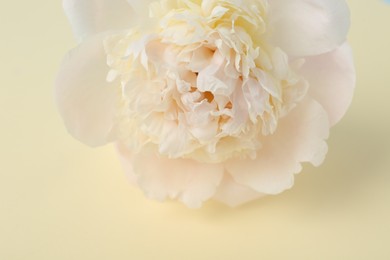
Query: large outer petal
[
  {"x": 308, "y": 27},
  {"x": 125, "y": 156},
  {"x": 299, "y": 138},
  {"x": 332, "y": 80},
  {"x": 189, "y": 181},
  {"x": 141, "y": 6},
  {"x": 86, "y": 101},
  {"x": 88, "y": 17},
  {"x": 234, "y": 194}
]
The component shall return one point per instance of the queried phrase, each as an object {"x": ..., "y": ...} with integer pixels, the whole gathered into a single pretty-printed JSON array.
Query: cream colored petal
[
  {"x": 186, "y": 180},
  {"x": 212, "y": 78},
  {"x": 88, "y": 17},
  {"x": 332, "y": 80},
  {"x": 233, "y": 194},
  {"x": 141, "y": 6},
  {"x": 142, "y": 12},
  {"x": 308, "y": 27},
  {"x": 298, "y": 138},
  {"x": 86, "y": 101}
]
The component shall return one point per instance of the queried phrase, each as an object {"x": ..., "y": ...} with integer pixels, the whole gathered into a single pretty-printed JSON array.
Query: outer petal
[
  {"x": 88, "y": 17},
  {"x": 141, "y": 6},
  {"x": 308, "y": 27},
  {"x": 86, "y": 101},
  {"x": 125, "y": 156},
  {"x": 234, "y": 194},
  {"x": 332, "y": 80},
  {"x": 299, "y": 138},
  {"x": 189, "y": 181}
]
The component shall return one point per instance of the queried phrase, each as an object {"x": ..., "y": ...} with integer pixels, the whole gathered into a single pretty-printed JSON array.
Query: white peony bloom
[{"x": 212, "y": 99}]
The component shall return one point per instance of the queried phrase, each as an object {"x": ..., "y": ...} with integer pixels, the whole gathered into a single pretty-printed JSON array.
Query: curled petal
[
  {"x": 87, "y": 103},
  {"x": 88, "y": 17},
  {"x": 332, "y": 80},
  {"x": 299, "y": 138},
  {"x": 187, "y": 180},
  {"x": 308, "y": 27}
]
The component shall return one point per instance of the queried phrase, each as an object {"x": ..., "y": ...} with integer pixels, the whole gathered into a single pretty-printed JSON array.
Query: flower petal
[
  {"x": 86, "y": 101},
  {"x": 124, "y": 155},
  {"x": 308, "y": 27},
  {"x": 298, "y": 138},
  {"x": 189, "y": 181},
  {"x": 88, "y": 17},
  {"x": 234, "y": 194},
  {"x": 141, "y": 6},
  {"x": 332, "y": 80}
]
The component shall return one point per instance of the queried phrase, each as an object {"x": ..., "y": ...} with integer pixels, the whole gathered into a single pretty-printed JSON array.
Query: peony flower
[{"x": 212, "y": 99}]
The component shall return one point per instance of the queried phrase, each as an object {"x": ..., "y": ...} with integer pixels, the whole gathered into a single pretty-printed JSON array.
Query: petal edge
[
  {"x": 308, "y": 27},
  {"x": 86, "y": 101}
]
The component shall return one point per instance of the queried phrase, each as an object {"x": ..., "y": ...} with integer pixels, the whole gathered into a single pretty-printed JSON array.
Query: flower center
[
  {"x": 201, "y": 86},
  {"x": 208, "y": 96}
]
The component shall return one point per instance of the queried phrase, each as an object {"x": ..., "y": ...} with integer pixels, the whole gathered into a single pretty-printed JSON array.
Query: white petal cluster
[
  {"x": 208, "y": 99},
  {"x": 203, "y": 83}
]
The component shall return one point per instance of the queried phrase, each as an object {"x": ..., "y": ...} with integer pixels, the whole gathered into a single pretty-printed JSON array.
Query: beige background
[{"x": 60, "y": 200}]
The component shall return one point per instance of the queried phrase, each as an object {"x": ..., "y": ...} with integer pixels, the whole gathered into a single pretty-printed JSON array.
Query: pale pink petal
[
  {"x": 125, "y": 156},
  {"x": 88, "y": 17},
  {"x": 308, "y": 27},
  {"x": 299, "y": 138},
  {"x": 233, "y": 194},
  {"x": 187, "y": 180},
  {"x": 332, "y": 80},
  {"x": 86, "y": 101}
]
